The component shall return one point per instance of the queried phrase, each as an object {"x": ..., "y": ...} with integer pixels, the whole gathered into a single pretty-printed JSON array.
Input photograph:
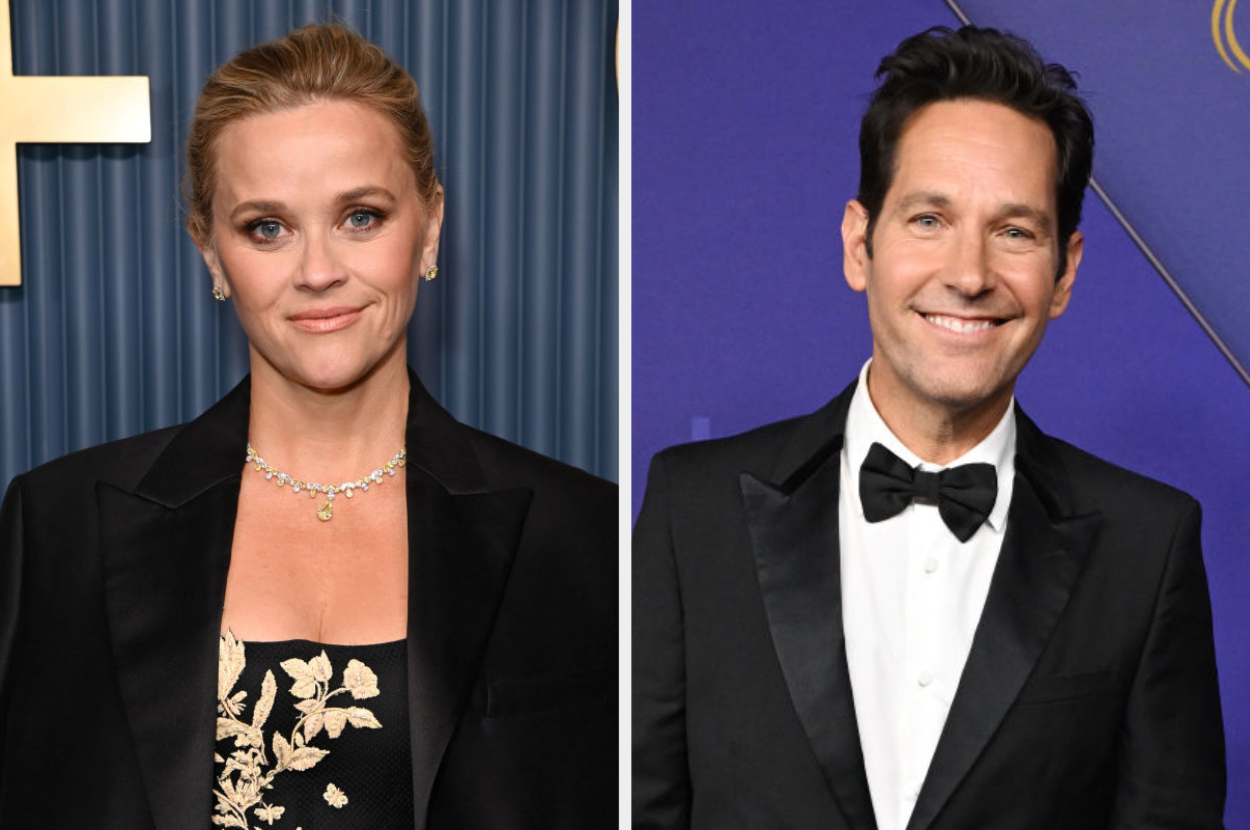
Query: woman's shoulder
[
  {"x": 507, "y": 465},
  {"x": 122, "y": 463},
  {"x": 566, "y": 500}
]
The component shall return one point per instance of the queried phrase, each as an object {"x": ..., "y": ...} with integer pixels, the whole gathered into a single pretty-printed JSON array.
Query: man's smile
[{"x": 963, "y": 325}]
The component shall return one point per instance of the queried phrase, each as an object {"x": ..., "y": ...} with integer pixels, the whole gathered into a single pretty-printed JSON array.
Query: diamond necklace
[{"x": 326, "y": 511}]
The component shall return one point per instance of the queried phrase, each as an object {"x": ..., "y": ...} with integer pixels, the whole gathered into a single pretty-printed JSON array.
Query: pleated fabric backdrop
[{"x": 113, "y": 331}]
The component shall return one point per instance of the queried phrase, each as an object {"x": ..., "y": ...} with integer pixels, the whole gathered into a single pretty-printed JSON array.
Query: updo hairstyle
[{"x": 319, "y": 62}]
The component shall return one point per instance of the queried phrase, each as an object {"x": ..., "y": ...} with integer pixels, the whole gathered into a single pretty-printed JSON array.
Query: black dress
[{"x": 312, "y": 736}]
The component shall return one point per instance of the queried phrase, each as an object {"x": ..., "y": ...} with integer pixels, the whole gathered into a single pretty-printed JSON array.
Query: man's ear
[
  {"x": 1063, "y": 286},
  {"x": 855, "y": 245}
]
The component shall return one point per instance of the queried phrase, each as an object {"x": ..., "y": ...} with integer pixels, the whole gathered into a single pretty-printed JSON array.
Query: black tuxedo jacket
[
  {"x": 113, "y": 569},
  {"x": 1089, "y": 698}
]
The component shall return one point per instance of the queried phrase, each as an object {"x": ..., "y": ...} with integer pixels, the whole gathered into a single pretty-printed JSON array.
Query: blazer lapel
[
  {"x": 166, "y": 551},
  {"x": 794, "y": 537},
  {"x": 462, "y": 539},
  {"x": 1043, "y": 553}
]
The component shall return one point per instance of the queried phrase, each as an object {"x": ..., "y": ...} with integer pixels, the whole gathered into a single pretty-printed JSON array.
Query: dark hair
[{"x": 986, "y": 64}]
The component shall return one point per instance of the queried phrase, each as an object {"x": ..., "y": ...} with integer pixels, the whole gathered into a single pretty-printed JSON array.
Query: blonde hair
[{"x": 318, "y": 62}]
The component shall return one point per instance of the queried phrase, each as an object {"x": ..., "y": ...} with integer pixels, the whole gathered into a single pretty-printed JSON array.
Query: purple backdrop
[{"x": 745, "y": 117}]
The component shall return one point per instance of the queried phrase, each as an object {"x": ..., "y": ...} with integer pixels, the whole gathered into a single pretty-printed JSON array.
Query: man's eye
[
  {"x": 927, "y": 220},
  {"x": 1018, "y": 233}
]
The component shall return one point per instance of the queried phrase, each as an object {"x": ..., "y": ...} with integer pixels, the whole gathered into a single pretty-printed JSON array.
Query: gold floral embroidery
[
  {"x": 245, "y": 777},
  {"x": 334, "y": 796}
]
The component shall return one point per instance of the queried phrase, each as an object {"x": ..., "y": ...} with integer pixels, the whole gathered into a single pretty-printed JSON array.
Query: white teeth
[{"x": 959, "y": 325}]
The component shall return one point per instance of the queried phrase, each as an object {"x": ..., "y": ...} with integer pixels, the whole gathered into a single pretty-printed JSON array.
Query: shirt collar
[{"x": 864, "y": 427}]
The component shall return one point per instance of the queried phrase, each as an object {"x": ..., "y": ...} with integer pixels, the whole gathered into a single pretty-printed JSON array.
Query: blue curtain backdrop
[{"x": 113, "y": 331}]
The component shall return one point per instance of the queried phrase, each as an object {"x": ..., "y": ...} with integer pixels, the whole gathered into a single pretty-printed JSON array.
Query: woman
[{"x": 408, "y": 622}]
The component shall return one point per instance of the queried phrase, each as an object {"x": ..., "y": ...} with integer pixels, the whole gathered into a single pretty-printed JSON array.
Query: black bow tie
[{"x": 964, "y": 495}]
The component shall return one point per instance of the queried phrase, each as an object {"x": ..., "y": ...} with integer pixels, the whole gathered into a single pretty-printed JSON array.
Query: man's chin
[{"x": 961, "y": 395}]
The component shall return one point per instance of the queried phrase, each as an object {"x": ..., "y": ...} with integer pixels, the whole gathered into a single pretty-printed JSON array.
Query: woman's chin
[{"x": 328, "y": 375}]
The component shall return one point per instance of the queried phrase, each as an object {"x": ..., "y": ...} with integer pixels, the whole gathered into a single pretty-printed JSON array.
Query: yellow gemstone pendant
[{"x": 327, "y": 491}]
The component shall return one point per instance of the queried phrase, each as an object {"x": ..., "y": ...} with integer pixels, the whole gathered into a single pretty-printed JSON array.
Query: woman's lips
[{"x": 325, "y": 320}]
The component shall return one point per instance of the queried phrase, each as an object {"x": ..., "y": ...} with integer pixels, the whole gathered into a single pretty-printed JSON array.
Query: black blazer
[
  {"x": 1089, "y": 699},
  {"x": 113, "y": 569}
]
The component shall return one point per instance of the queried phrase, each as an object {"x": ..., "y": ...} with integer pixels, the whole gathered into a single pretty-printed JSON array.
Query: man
[{"x": 911, "y": 609}]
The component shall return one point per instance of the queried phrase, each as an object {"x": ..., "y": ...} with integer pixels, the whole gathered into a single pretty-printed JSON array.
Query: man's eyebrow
[
  {"x": 924, "y": 198},
  {"x": 1022, "y": 210},
  {"x": 346, "y": 197}
]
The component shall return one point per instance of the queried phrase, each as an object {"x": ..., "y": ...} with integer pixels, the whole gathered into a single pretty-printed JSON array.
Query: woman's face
[{"x": 320, "y": 239}]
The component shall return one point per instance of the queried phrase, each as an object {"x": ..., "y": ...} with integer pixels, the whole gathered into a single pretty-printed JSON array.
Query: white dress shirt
[{"x": 912, "y": 595}]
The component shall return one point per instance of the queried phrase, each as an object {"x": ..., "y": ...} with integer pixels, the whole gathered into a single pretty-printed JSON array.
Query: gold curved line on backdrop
[
  {"x": 1242, "y": 58},
  {"x": 1216, "y": 18}
]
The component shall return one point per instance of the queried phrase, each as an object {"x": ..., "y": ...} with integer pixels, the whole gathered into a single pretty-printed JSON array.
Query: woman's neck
[{"x": 328, "y": 437}]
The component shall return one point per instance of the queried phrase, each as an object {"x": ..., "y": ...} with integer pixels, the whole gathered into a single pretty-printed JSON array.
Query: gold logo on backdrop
[
  {"x": 1222, "y": 32},
  {"x": 57, "y": 110}
]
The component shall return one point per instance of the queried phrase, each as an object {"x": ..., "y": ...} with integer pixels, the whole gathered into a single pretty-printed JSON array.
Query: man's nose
[{"x": 969, "y": 271}]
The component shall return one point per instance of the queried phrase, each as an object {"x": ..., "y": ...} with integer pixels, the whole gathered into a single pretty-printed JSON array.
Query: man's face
[{"x": 962, "y": 280}]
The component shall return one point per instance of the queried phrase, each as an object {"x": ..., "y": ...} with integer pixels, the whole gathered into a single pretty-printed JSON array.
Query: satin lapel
[
  {"x": 1043, "y": 553},
  {"x": 462, "y": 540},
  {"x": 794, "y": 537},
  {"x": 166, "y": 552}
]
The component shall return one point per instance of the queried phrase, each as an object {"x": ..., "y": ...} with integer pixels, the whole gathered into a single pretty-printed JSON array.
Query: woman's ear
[
  {"x": 211, "y": 260},
  {"x": 433, "y": 229}
]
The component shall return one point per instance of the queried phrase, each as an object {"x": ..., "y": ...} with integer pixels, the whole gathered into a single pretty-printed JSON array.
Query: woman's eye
[
  {"x": 267, "y": 229},
  {"x": 361, "y": 219}
]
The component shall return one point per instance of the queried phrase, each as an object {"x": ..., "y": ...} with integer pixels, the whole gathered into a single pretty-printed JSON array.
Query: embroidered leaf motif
[
  {"x": 313, "y": 725},
  {"x": 360, "y": 680},
  {"x": 248, "y": 791},
  {"x": 336, "y": 719},
  {"x": 305, "y": 685},
  {"x": 306, "y": 757},
  {"x": 362, "y": 718},
  {"x": 309, "y": 706},
  {"x": 281, "y": 750},
  {"x": 244, "y": 776},
  {"x": 335, "y": 797},
  {"x": 320, "y": 667},
  {"x": 232, "y": 705},
  {"x": 268, "y": 691},
  {"x": 243, "y": 734},
  {"x": 230, "y": 664},
  {"x": 227, "y": 728},
  {"x": 247, "y": 763}
]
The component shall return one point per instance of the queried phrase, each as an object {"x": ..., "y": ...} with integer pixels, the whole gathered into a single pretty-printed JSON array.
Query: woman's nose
[{"x": 320, "y": 267}]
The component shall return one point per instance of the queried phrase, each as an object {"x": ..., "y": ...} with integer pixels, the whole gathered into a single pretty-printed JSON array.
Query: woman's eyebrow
[
  {"x": 362, "y": 192},
  {"x": 257, "y": 205},
  {"x": 272, "y": 206}
]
